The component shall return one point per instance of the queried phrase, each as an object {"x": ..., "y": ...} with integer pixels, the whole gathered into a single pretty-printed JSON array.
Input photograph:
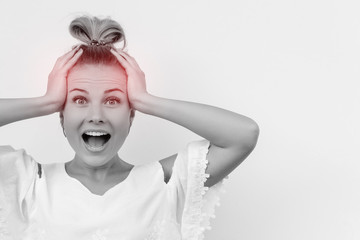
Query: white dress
[{"x": 45, "y": 203}]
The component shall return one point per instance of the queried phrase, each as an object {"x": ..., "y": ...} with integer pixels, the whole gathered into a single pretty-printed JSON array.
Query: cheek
[
  {"x": 71, "y": 118},
  {"x": 120, "y": 120}
]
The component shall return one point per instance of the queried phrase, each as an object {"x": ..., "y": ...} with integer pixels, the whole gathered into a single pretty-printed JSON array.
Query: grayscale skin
[{"x": 103, "y": 97}]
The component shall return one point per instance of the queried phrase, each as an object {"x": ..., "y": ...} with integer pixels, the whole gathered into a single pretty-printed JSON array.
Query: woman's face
[{"x": 97, "y": 116}]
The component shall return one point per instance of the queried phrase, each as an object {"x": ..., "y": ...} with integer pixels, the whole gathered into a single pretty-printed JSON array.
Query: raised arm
[
  {"x": 232, "y": 136},
  {"x": 12, "y": 110}
]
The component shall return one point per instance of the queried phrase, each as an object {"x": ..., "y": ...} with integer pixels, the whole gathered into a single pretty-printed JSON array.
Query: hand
[
  {"x": 136, "y": 85},
  {"x": 56, "y": 88}
]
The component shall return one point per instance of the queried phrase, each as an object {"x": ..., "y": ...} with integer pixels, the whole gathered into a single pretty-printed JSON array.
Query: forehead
[{"x": 97, "y": 76}]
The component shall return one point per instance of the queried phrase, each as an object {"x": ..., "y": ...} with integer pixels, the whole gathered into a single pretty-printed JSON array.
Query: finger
[
  {"x": 125, "y": 54},
  {"x": 72, "y": 53},
  {"x": 67, "y": 56},
  {"x": 61, "y": 61},
  {"x": 129, "y": 58},
  {"x": 73, "y": 60},
  {"x": 123, "y": 61}
]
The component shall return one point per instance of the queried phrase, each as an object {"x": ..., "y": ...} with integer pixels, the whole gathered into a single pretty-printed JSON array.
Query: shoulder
[
  {"x": 6, "y": 148},
  {"x": 9, "y": 155}
]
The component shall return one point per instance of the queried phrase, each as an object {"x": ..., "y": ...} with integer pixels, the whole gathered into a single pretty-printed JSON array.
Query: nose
[{"x": 95, "y": 115}]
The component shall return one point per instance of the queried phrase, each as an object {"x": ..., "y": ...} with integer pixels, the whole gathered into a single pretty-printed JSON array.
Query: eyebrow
[
  {"x": 106, "y": 91},
  {"x": 113, "y": 89}
]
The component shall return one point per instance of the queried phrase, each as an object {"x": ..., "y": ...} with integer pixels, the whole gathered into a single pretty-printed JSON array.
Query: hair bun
[{"x": 92, "y": 30}]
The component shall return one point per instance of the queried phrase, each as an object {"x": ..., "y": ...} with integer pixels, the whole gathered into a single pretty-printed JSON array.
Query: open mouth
[{"x": 95, "y": 140}]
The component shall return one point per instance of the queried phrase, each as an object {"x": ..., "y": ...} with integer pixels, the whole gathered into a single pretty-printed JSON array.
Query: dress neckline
[{"x": 121, "y": 184}]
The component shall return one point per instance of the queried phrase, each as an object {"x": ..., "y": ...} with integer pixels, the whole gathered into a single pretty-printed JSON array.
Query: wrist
[
  {"x": 142, "y": 102},
  {"x": 49, "y": 105}
]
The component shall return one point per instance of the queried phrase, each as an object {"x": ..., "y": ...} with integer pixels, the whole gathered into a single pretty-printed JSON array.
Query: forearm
[
  {"x": 221, "y": 127},
  {"x": 12, "y": 110}
]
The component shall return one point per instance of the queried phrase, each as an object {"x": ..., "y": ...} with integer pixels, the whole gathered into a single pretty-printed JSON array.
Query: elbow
[
  {"x": 249, "y": 137},
  {"x": 254, "y": 131}
]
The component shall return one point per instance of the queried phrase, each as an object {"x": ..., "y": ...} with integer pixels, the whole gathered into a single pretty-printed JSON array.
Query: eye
[
  {"x": 112, "y": 101},
  {"x": 79, "y": 100}
]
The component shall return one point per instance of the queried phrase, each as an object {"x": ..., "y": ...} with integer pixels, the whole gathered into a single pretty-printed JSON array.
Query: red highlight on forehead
[{"x": 104, "y": 78}]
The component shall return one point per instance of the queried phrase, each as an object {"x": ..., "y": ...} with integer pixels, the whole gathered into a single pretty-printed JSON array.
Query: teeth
[{"x": 95, "y": 133}]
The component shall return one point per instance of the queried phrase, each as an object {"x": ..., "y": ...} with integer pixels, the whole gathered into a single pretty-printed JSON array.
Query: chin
[{"x": 95, "y": 158}]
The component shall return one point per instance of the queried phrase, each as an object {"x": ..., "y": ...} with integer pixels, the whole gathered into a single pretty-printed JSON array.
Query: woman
[{"x": 97, "y": 88}]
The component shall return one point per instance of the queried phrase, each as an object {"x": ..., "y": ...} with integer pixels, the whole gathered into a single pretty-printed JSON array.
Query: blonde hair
[
  {"x": 88, "y": 28},
  {"x": 98, "y": 37}
]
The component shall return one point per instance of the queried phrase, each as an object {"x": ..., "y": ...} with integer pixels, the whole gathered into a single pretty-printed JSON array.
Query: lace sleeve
[
  {"x": 18, "y": 173},
  {"x": 199, "y": 201}
]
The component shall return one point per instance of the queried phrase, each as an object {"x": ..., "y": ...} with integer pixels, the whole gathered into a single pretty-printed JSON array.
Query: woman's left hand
[{"x": 136, "y": 85}]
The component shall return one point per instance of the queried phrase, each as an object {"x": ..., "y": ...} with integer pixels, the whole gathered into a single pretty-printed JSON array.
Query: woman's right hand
[{"x": 56, "y": 88}]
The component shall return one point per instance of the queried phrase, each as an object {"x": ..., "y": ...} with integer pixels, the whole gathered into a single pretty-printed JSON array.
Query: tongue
[{"x": 96, "y": 141}]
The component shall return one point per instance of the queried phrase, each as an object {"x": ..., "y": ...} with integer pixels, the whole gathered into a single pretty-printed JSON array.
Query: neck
[{"x": 96, "y": 173}]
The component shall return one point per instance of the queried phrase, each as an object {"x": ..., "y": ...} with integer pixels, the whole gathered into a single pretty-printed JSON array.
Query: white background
[{"x": 291, "y": 65}]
